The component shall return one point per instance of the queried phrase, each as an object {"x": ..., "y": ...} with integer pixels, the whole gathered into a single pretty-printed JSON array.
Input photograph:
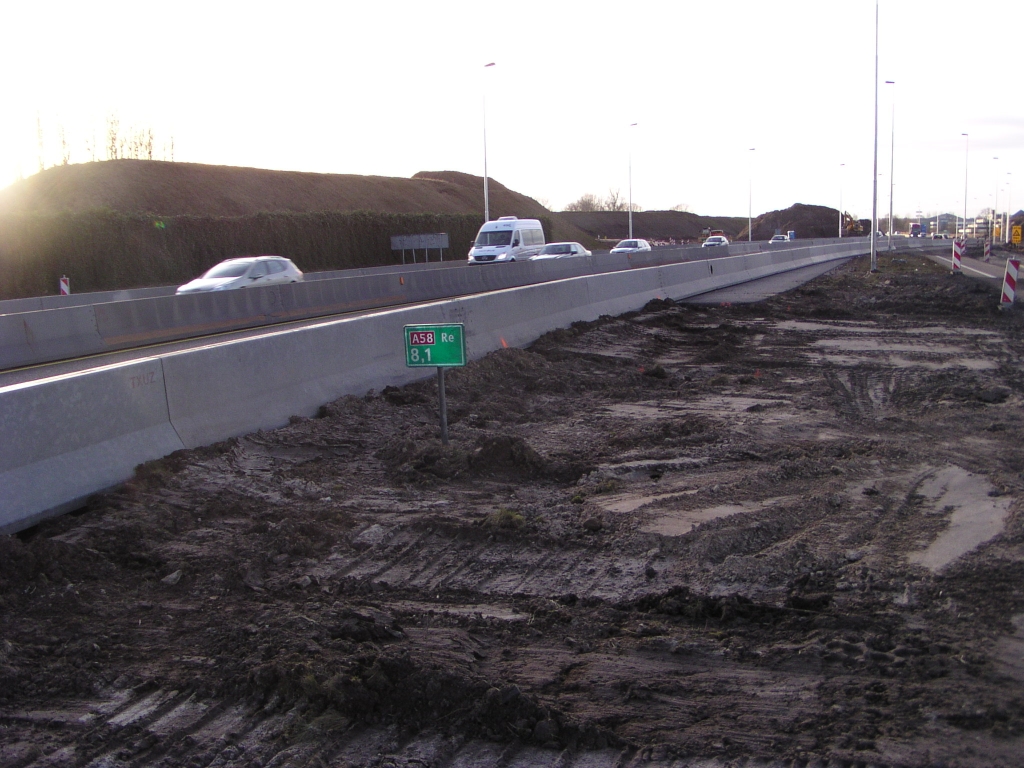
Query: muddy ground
[{"x": 788, "y": 533}]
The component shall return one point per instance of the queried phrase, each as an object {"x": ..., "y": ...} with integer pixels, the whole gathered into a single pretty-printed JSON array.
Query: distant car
[
  {"x": 561, "y": 251},
  {"x": 778, "y": 239},
  {"x": 631, "y": 246},
  {"x": 246, "y": 272},
  {"x": 715, "y": 240}
]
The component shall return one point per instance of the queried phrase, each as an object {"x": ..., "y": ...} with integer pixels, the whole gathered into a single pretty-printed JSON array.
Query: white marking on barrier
[
  {"x": 65, "y": 286},
  {"x": 958, "y": 250},
  {"x": 1009, "y": 283}
]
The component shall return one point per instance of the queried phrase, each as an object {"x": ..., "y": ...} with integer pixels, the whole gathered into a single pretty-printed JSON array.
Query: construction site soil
[{"x": 788, "y": 533}]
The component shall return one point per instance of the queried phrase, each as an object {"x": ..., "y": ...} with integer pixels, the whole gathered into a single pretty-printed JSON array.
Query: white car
[
  {"x": 715, "y": 240},
  {"x": 560, "y": 251},
  {"x": 778, "y": 239},
  {"x": 631, "y": 246},
  {"x": 246, "y": 272}
]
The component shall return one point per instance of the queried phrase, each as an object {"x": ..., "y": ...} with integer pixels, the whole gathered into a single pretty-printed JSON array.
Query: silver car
[
  {"x": 246, "y": 272},
  {"x": 631, "y": 246},
  {"x": 561, "y": 251},
  {"x": 776, "y": 239},
  {"x": 714, "y": 240}
]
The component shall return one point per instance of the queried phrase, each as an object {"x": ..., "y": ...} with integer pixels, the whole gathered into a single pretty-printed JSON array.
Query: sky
[{"x": 738, "y": 105}]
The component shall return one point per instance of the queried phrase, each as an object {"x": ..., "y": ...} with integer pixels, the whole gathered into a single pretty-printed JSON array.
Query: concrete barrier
[
  {"x": 49, "y": 334},
  {"x": 68, "y": 437},
  {"x": 106, "y": 322},
  {"x": 46, "y": 335},
  {"x": 11, "y": 306}
]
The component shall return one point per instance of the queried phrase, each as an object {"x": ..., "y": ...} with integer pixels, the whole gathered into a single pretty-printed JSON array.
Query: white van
[{"x": 507, "y": 239}]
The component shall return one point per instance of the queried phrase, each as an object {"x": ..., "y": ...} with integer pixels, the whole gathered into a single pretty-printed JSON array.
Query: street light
[
  {"x": 487, "y": 201},
  {"x": 892, "y": 156},
  {"x": 874, "y": 173},
  {"x": 995, "y": 205},
  {"x": 750, "y": 195},
  {"x": 841, "y": 166},
  {"x": 1006, "y": 221},
  {"x": 631, "y": 125},
  {"x": 967, "y": 147}
]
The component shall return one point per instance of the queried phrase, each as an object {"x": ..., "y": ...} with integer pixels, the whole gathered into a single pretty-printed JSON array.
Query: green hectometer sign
[{"x": 435, "y": 346}]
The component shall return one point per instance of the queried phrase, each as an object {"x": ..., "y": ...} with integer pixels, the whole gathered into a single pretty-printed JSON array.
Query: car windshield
[
  {"x": 229, "y": 269},
  {"x": 628, "y": 244},
  {"x": 557, "y": 248},
  {"x": 494, "y": 238}
]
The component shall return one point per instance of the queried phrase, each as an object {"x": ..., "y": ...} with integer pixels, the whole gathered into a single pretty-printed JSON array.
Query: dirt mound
[
  {"x": 681, "y": 226},
  {"x": 808, "y": 221},
  {"x": 172, "y": 189}
]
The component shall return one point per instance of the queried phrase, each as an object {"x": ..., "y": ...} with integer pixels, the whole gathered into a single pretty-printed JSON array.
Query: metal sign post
[{"x": 441, "y": 346}]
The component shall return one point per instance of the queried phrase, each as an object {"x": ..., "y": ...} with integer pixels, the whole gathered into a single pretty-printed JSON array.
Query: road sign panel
[
  {"x": 1015, "y": 234},
  {"x": 435, "y": 346}
]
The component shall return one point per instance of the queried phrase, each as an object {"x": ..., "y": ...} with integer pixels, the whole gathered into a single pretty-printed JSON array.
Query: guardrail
[
  {"x": 111, "y": 321},
  {"x": 68, "y": 437}
]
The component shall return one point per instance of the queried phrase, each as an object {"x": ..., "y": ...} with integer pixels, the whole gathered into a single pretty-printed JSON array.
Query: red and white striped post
[
  {"x": 988, "y": 250},
  {"x": 1009, "y": 283},
  {"x": 958, "y": 252},
  {"x": 65, "y": 286}
]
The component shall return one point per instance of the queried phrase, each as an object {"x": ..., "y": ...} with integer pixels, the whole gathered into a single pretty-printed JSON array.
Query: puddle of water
[
  {"x": 681, "y": 522},
  {"x": 802, "y": 325},
  {"x": 884, "y": 345},
  {"x": 902, "y": 362},
  {"x": 678, "y": 522},
  {"x": 711, "y": 404},
  {"x": 621, "y": 503},
  {"x": 976, "y": 516}
]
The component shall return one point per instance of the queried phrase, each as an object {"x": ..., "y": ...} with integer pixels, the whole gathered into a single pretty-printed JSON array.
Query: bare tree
[
  {"x": 614, "y": 202},
  {"x": 590, "y": 202},
  {"x": 684, "y": 207},
  {"x": 114, "y": 141},
  {"x": 585, "y": 203},
  {"x": 65, "y": 150}
]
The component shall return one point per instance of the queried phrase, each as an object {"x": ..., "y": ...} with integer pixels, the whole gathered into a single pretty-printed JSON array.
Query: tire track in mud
[{"x": 216, "y": 734}]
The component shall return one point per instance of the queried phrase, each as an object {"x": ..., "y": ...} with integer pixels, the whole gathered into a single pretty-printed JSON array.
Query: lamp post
[
  {"x": 995, "y": 206},
  {"x": 892, "y": 156},
  {"x": 487, "y": 201},
  {"x": 631, "y": 125},
  {"x": 841, "y": 166},
  {"x": 750, "y": 196},
  {"x": 1006, "y": 220},
  {"x": 967, "y": 147},
  {"x": 874, "y": 174}
]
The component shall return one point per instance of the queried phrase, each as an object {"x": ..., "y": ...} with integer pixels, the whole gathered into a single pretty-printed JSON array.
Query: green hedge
[{"x": 106, "y": 250}]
